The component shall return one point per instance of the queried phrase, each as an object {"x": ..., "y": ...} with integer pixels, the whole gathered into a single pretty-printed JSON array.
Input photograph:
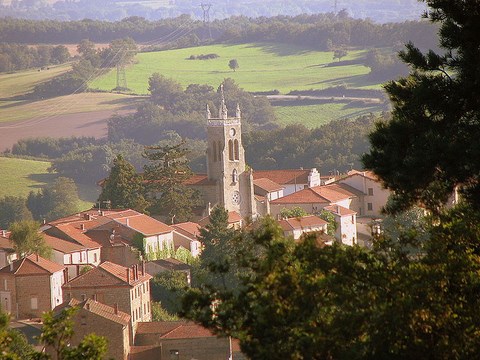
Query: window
[
  {"x": 353, "y": 219},
  {"x": 234, "y": 176},
  {"x": 369, "y": 206},
  {"x": 230, "y": 150},
  {"x": 5, "y": 284},
  {"x": 34, "y": 303},
  {"x": 94, "y": 257},
  {"x": 219, "y": 151},
  {"x": 236, "y": 149},
  {"x": 370, "y": 191}
]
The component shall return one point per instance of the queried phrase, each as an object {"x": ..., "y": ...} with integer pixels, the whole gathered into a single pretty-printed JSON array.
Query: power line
[{"x": 206, "y": 18}]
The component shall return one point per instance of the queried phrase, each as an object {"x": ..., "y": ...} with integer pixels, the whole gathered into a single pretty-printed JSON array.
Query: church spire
[{"x": 223, "y": 112}]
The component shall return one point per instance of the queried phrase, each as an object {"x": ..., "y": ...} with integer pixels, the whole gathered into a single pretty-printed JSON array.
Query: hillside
[{"x": 20, "y": 176}]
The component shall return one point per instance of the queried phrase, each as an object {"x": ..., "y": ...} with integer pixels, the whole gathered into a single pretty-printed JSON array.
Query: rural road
[{"x": 79, "y": 124}]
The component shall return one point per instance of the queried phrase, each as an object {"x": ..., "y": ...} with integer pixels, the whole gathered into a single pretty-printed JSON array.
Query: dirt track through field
[{"x": 80, "y": 124}]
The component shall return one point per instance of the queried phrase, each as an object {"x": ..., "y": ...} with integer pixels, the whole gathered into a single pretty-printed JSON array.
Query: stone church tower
[{"x": 226, "y": 162}]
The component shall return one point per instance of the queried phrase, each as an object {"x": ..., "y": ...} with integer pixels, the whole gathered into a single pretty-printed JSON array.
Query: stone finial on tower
[
  {"x": 238, "y": 114},
  {"x": 223, "y": 112},
  {"x": 209, "y": 115}
]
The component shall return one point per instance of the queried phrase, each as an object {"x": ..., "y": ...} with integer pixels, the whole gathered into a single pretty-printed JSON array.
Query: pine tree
[
  {"x": 431, "y": 143},
  {"x": 124, "y": 187},
  {"x": 166, "y": 176}
]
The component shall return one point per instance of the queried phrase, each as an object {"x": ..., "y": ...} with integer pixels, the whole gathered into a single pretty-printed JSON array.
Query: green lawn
[
  {"x": 263, "y": 67},
  {"x": 319, "y": 114},
  {"x": 19, "y": 176}
]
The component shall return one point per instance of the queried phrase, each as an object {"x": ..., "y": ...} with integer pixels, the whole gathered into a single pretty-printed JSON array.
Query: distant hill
[{"x": 378, "y": 10}]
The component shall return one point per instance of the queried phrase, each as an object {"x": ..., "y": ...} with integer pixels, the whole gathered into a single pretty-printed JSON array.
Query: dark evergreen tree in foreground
[
  {"x": 432, "y": 142},
  {"x": 166, "y": 175}
]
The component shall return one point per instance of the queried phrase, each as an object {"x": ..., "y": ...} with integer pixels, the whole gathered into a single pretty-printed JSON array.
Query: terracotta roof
[
  {"x": 317, "y": 194},
  {"x": 340, "y": 210},
  {"x": 283, "y": 177},
  {"x": 74, "y": 231},
  {"x": 62, "y": 245},
  {"x": 107, "y": 274},
  {"x": 189, "y": 229},
  {"x": 6, "y": 243},
  {"x": 104, "y": 238},
  {"x": 267, "y": 185},
  {"x": 305, "y": 196},
  {"x": 368, "y": 174},
  {"x": 144, "y": 224},
  {"x": 32, "y": 265},
  {"x": 105, "y": 311},
  {"x": 174, "y": 330},
  {"x": 171, "y": 264},
  {"x": 200, "y": 180},
  {"x": 301, "y": 222},
  {"x": 234, "y": 217}
]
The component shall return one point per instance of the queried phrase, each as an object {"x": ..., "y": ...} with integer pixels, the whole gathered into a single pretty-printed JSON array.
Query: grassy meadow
[
  {"x": 20, "y": 176},
  {"x": 262, "y": 67}
]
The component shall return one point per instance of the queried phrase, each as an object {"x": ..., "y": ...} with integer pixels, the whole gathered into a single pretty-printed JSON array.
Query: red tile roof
[
  {"x": 301, "y": 222},
  {"x": 5, "y": 242},
  {"x": 200, "y": 180},
  {"x": 340, "y": 210},
  {"x": 32, "y": 265},
  {"x": 368, "y": 174},
  {"x": 283, "y": 177},
  {"x": 174, "y": 330},
  {"x": 107, "y": 274},
  {"x": 267, "y": 185},
  {"x": 144, "y": 224},
  {"x": 317, "y": 195},
  {"x": 305, "y": 196},
  {"x": 189, "y": 229},
  {"x": 61, "y": 245},
  {"x": 171, "y": 264},
  {"x": 105, "y": 311}
]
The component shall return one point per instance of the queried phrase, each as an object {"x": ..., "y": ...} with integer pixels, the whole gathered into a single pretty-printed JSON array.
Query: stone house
[
  {"x": 296, "y": 227},
  {"x": 115, "y": 285},
  {"x": 346, "y": 220},
  {"x": 31, "y": 286},
  {"x": 186, "y": 235},
  {"x": 103, "y": 320},
  {"x": 372, "y": 197},
  {"x": 179, "y": 340}
]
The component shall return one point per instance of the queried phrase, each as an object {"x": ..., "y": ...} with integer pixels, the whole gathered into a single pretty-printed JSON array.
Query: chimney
[
  {"x": 135, "y": 272},
  {"x": 94, "y": 297},
  {"x": 87, "y": 305},
  {"x": 115, "y": 308},
  {"x": 11, "y": 266},
  {"x": 82, "y": 226},
  {"x": 65, "y": 275},
  {"x": 127, "y": 222},
  {"x": 143, "y": 268},
  {"x": 102, "y": 213},
  {"x": 128, "y": 275},
  {"x": 338, "y": 210},
  {"x": 86, "y": 216},
  {"x": 36, "y": 256},
  {"x": 44, "y": 221}
]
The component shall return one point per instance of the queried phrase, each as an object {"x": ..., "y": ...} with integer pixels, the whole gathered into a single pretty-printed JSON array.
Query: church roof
[{"x": 199, "y": 180}]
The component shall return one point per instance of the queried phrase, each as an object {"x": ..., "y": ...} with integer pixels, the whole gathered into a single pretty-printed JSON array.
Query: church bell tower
[{"x": 226, "y": 160}]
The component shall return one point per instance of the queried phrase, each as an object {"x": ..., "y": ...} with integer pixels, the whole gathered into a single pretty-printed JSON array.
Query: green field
[
  {"x": 21, "y": 82},
  {"x": 316, "y": 115},
  {"x": 20, "y": 176},
  {"x": 263, "y": 67}
]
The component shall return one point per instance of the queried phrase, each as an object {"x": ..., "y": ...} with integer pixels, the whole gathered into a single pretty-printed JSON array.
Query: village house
[
  {"x": 31, "y": 286},
  {"x": 115, "y": 285},
  {"x": 158, "y": 266},
  {"x": 103, "y": 320},
  {"x": 186, "y": 235},
  {"x": 372, "y": 197},
  {"x": 7, "y": 250},
  {"x": 346, "y": 221},
  {"x": 297, "y": 226}
]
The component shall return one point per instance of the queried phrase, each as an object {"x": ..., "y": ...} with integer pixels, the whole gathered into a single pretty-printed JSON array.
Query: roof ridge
[{"x": 174, "y": 329}]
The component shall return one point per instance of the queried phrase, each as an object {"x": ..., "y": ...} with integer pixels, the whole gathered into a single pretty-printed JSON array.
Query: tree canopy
[
  {"x": 431, "y": 145},
  {"x": 28, "y": 239}
]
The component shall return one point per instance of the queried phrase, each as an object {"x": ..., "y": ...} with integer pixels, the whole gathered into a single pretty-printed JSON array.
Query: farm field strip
[
  {"x": 20, "y": 176},
  {"x": 263, "y": 67},
  {"x": 313, "y": 116}
]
